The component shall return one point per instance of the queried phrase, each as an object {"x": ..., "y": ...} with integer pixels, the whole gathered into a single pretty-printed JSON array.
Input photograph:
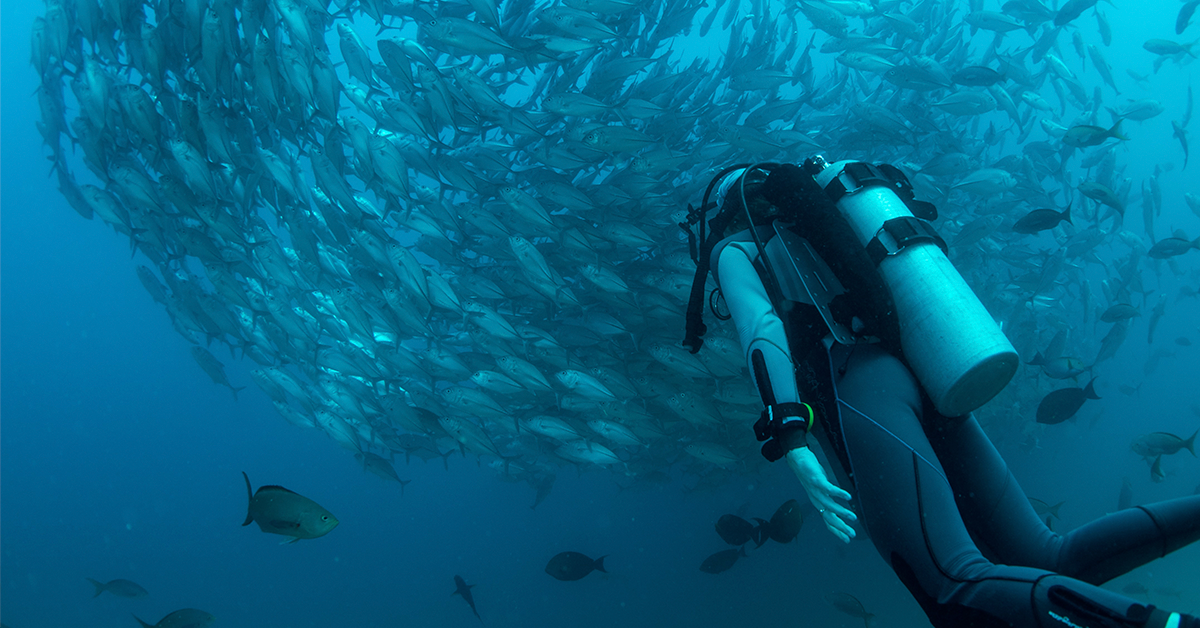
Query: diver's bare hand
[{"x": 823, "y": 493}]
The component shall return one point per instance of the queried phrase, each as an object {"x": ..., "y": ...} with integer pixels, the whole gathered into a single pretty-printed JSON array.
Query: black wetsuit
[
  {"x": 946, "y": 513},
  {"x": 936, "y": 498}
]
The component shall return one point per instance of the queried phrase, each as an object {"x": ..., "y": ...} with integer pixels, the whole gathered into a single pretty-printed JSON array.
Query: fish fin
[
  {"x": 144, "y": 624},
  {"x": 1115, "y": 131},
  {"x": 250, "y": 497},
  {"x": 289, "y": 542},
  {"x": 599, "y": 564},
  {"x": 762, "y": 532},
  {"x": 1066, "y": 215},
  {"x": 403, "y": 483},
  {"x": 100, "y": 587}
]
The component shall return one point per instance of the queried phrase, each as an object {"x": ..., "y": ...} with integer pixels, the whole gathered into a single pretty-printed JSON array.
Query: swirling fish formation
[{"x": 461, "y": 232}]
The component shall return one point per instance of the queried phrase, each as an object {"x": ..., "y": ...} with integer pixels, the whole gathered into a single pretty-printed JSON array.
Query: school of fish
[{"x": 455, "y": 225}]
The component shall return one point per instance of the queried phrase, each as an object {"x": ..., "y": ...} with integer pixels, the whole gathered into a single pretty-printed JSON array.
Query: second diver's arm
[{"x": 763, "y": 339}]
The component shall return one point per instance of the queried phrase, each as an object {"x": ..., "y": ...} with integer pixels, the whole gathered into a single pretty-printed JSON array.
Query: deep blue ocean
[{"x": 119, "y": 458}]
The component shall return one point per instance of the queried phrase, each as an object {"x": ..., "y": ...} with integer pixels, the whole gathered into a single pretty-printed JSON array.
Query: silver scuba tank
[{"x": 954, "y": 346}]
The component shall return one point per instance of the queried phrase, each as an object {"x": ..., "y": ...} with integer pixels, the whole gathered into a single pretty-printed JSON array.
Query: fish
[
  {"x": 1138, "y": 110},
  {"x": 1172, "y": 247},
  {"x": 1111, "y": 341},
  {"x": 1119, "y": 312},
  {"x": 1071, "y": 10},
  {"x": 1160, "y": 309},
  {"x": 850, "y": 605},
  {"x": 1059, "y": 368},
  {"x": 1102, "y": 194},
  {"x": 587, "y": 451},
  {"x": 1045, "y": 510},
  {"x": 1041, "y": 220},
  {"x": 987, "y": 181},
  {"x": 785, "y": 524},
  {"x": 722, "y": 561},
  {"x": 1166, "y": 47},
  {"x": 381, "y": 467},
  {"x": 461, "y": 588},
  {"x": 737, "y": 531},
  {"x": 1163, "y": 444},
  {"x": 977, "y": 76},
  {"x": 569, "y": 566},
  {"x": 182, "y": 618},
  {"x": 1185, "y": 17},
  {"x": 1084, "y": 135},
  {"x": 714, "y": 453},
  {"x": 214, "y": 369},
  {"x": 119, "y": 588},
  {"x": 277, "y": 510},
  {"x": 1062, "y": 404}
]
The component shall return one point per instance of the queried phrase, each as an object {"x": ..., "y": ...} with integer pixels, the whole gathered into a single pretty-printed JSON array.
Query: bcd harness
[{"x": 848, "y": 293}]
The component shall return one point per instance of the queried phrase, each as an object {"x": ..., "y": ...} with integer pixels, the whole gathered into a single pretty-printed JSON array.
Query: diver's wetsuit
[{"x": 935, "y": 496}]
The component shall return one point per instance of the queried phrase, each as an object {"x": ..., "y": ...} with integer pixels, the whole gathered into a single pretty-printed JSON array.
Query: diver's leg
[
  {"x": 998, "y": 514},
  {"x": 908, "y": 508}
]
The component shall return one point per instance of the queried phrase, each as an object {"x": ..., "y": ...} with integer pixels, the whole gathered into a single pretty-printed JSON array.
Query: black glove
[{"x": 785, "y": 427}]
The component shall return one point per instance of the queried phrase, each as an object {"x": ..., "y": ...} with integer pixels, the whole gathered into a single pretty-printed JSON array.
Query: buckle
[{"x": 897, "y": 234}]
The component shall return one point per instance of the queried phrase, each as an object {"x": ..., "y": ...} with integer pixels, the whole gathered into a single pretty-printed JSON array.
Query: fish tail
[
  {"x": 599, "y": 564},
  {"x": 1090, "y": 391},
  {"x": 1115, "y": 131},
  {"x": 403, "y": 483},
  {"x": 1066, "y": 215},
  {"x": 1037, "y": 359},
  {"x": 250, "y": 499},
  {"x": 101, "y": 587},
  {"x": 762, "y": 532},
  {"x": 1190, "y": 444},
  {"x": 144, "y": 624}
]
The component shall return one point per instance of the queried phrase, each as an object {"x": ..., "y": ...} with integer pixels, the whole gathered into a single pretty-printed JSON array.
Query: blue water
[{"x": 119, "y": 459}]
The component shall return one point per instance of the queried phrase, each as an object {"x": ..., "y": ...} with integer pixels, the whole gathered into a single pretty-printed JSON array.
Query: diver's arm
[{"x": 763, "y": 339}]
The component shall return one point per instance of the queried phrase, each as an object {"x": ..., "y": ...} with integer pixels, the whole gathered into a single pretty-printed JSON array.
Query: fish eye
[{"x": 324, "y": 517}]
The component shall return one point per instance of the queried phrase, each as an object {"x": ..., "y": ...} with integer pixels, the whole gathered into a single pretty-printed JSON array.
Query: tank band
[
  {"x": 898, "y": 233},
  {"x": 857, "y": 175}
]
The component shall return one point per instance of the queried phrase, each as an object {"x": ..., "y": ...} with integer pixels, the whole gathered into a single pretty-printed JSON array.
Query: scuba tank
[{"x": 953, "y": 345}]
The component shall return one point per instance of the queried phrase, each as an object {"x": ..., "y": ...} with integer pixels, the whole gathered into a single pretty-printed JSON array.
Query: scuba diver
[{"x": 860, "y": 333}]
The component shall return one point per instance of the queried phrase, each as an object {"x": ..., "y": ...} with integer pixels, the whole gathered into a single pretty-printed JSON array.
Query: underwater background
[{"x": 120, "y": 459}]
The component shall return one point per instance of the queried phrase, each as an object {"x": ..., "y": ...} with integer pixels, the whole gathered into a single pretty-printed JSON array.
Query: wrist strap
[
  {"x": 776, "y": 415},
  {"x": 784, "y": 426}
]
